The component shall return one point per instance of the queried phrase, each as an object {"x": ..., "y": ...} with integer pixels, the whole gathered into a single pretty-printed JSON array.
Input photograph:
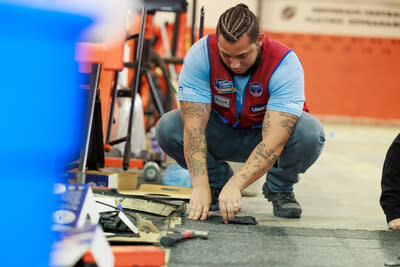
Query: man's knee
[
  {"x": 310, "y": 132},
  {"x": 310, "y": 138},
  {"x": 169, "y": 130}
]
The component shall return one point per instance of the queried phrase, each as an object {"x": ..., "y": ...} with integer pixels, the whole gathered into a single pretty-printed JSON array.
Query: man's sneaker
[
  {"x": 284, "y": 203},
  {"x": 214, "y": 198}
]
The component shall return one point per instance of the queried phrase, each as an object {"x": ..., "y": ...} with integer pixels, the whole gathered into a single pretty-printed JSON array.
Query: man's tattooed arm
[
  {"x": 276, "y": 130},
  {"x": 195, "y": 117}
]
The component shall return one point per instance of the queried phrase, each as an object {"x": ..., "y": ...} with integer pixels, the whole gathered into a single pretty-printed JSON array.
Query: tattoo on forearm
[
  {"x": 288, "y": 121},
  {"x": 260, "y": 156},
  {"x": 197, "y": 110},
  {"x": 197, "y": 167},
  {"x": 260, "y": 151},
  {"x": 267, "y": 155},
  {"x": 264, "y": 155},
  {"x": 195, "y": 140},
  {"x": 197, "y": 150},
  {"x": 194, "y": 137}
]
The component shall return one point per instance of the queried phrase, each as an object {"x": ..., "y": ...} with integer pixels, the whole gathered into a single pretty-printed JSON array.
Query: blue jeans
[{"x": 225, "y": 143}]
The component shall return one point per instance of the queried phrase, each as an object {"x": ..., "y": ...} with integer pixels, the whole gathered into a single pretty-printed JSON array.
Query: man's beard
[{"x": 250, "y": 70}]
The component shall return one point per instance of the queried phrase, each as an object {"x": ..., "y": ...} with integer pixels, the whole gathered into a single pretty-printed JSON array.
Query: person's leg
[
  {"x": 224, "y": 143},
  {"x": 300, "y": 152},
  {"x": 169, "y": 134}
]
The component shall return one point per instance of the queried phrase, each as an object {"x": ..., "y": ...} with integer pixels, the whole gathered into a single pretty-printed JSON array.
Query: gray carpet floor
[{"x": 254, "y": 245}]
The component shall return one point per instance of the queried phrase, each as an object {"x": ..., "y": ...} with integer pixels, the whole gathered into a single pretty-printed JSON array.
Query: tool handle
[{"x": 171, "y": 239}]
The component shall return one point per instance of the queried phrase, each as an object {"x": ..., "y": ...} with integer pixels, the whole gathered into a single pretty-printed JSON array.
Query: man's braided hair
[{"x": 236, "y": 21}]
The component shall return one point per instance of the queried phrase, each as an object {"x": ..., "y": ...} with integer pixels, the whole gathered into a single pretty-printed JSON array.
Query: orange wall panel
[{"x": 348, "y": 76}]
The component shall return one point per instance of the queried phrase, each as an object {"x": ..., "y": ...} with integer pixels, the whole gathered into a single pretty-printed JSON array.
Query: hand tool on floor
[{"x": 171, "y": 239}]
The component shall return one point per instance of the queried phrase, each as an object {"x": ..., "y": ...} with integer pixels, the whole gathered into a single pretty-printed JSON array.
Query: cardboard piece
[
  {"x": 139, "y": 204},
  {"x": 160, "y": 191},
  {"x": 143, "y": 224},
  {"x": 148, "y": 206},
  {"x": 127, "y": 180}
]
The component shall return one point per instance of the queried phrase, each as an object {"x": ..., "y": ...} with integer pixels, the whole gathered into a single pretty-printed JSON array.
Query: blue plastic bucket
[
  {"x": 175, "y": 175},
  {"x": 42, "y": 111}
]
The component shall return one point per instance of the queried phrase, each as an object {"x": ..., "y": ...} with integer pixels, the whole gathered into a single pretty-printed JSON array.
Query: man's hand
[
  {"x": 200, "y": 201},
  {"x": 195, "y": 117},
  {"x": 394, "y": 224},
  {"x": 230, "y": 201}
]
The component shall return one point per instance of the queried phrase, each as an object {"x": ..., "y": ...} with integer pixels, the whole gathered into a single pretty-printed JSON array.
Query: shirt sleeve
[
  {"x": 390, "y": 183},
  {"x": 286, "y": 86},
  {"x": 194, "y": 79}
]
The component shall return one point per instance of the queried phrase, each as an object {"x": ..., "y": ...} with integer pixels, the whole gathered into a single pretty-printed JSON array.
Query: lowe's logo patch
[
  {"x": 256, "y": 89},
  {"x": 222, "y": 84},
  {"x": 258, "y": 108}
]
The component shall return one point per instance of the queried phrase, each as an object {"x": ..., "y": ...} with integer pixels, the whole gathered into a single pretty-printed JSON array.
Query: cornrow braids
[{"x": 236, "y": 21}]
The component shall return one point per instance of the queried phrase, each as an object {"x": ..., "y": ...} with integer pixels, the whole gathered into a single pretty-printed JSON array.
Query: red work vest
[{"x": 256, "y": 94}]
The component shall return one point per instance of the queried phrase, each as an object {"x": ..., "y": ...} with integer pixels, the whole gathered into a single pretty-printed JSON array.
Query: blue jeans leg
[
  {"x": 225, "y": 143},
  {"x": 301, "y": 150}
]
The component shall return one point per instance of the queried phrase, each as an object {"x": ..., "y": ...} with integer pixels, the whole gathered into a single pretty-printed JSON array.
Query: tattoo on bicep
[
  {"x": 197, "y": 110},
  {"x": 266, "y": 123},
  {"x": 288, "y": 121},
  {"x": 272, "y": 160}
]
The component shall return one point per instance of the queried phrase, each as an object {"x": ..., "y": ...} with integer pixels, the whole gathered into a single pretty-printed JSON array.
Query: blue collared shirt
[{"x": 285, "y": 89}]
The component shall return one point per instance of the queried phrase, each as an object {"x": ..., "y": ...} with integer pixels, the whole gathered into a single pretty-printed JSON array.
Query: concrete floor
[{"x": 342, "y": 189}]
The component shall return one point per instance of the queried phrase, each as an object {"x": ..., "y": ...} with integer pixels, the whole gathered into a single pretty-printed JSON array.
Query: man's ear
[{"x": 260, "y": 39}]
